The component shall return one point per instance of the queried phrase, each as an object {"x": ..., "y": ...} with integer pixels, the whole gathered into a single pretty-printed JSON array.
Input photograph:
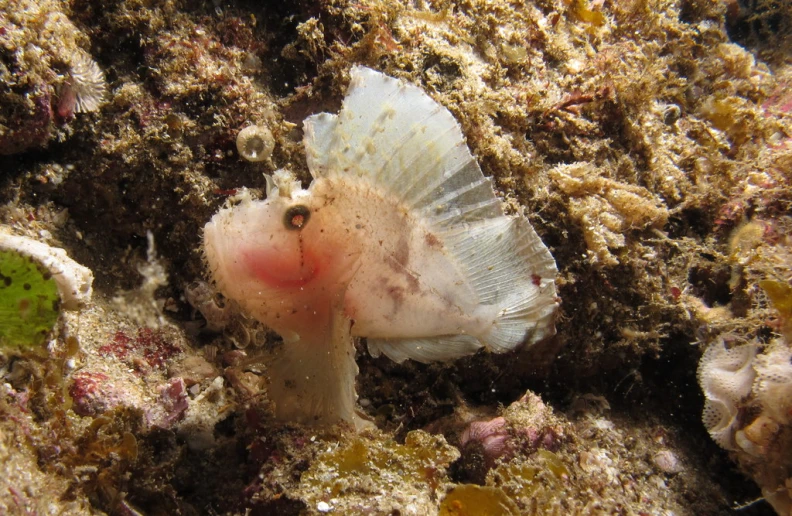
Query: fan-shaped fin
[
  {"x": 396, "y": 137},
  {"x": 509, "y": 267},
  {"x": 402, "y": 141}
]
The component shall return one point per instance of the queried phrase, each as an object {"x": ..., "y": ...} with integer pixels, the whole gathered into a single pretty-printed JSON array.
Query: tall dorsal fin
[
  {"x": 393, "y": 135},
  {"x": 398, "y": 138}
]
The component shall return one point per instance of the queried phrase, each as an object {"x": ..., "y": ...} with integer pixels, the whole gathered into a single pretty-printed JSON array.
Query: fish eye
[{"x": 296, "y": 217}]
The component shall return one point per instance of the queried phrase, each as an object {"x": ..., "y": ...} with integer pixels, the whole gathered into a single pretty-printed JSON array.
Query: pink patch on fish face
[{"x": 281, "y": 270}]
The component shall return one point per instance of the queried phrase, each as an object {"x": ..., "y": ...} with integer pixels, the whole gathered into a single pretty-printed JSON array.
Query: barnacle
[
  {"x": 87, "y": 83},
  {"x": 209, "y": 303},
  {"x": 255, "y": 143}
]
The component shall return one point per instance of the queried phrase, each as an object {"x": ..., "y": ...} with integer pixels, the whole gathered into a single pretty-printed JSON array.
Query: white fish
[{"x": 399, "y": 239}]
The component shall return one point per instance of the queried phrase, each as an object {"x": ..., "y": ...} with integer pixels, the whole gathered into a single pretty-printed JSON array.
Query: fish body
[{"x": 399, "y": 239}]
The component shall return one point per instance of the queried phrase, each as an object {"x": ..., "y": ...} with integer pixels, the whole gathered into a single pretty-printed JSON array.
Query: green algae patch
[
  {"x": 470, "y": 500},
  {"x": 376, "y": 472},
  {"x": 29, "y": 301}
]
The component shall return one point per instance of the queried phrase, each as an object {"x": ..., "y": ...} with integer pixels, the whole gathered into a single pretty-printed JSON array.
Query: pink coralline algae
[
  {"x": 172, "y": 404},
  {"x": 148, "y": 349},
  {"x": 528, "y": 426},
  {"x": 32, "y": 122},
  {"x": 93, "y": 393},
  {"x": 491, "y": 436},
  {"x": 497, "y": 439}
]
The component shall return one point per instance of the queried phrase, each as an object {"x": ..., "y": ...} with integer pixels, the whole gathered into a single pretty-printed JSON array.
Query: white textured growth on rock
[
  {"x": 773, "y": 386},
  {"x": 726, "y": 376},
  {"x": 75, "y": 282}
]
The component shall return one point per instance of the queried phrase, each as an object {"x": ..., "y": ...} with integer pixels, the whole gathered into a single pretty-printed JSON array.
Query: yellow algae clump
[
  {"x": 780, "y": 295},
  {"x": 538, "y": 485},
  {"x": 580, "y": 10},
  {"x": 607, "y": 209},
  {"x": 744, "y": 241},
  {"x": 379, "y": 475},
  {"x": 732, "y": 115},
  {"x": 473, "y": 500}
]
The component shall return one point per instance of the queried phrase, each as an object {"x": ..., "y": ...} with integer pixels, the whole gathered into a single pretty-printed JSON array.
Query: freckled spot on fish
[
  {"x": 402, "y": 253},
  {"x": 396, "y": 293},
  {"x": 387, "y": 112},
  {"x": 431, "y": 240},
  {"x": 302, "y": 254},
  {"x": 412, "y": 282}
]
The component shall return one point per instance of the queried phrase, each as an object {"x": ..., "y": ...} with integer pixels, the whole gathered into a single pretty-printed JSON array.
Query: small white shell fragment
[
  {"x": 255, "y": 143},
  {"x": 323, "y": 507},
  {"x": 667, "y": 462},
  {"x": 75, "y": 282}
]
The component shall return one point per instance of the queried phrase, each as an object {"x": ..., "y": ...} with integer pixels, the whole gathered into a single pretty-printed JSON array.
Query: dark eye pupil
[{"x": 296, "y": 217}]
